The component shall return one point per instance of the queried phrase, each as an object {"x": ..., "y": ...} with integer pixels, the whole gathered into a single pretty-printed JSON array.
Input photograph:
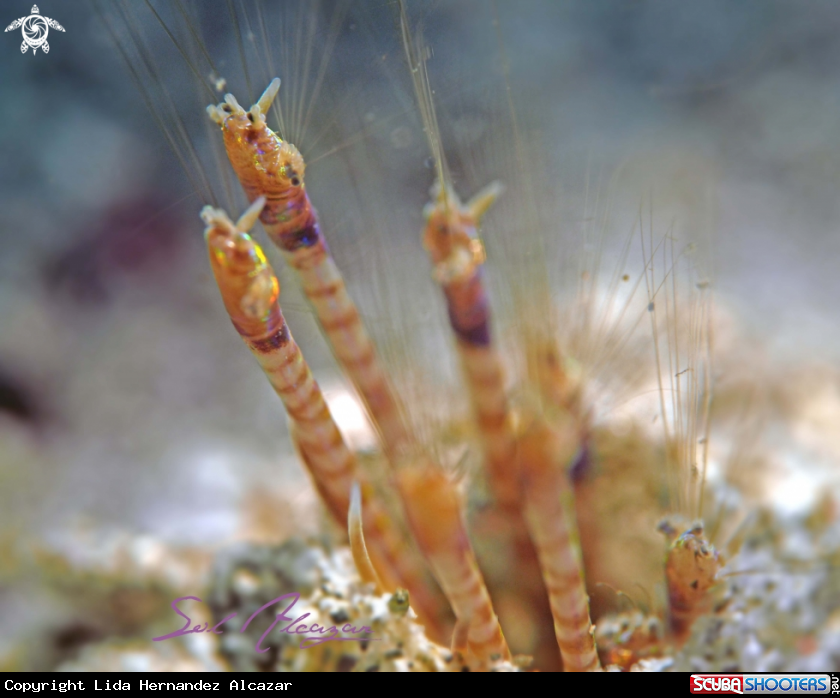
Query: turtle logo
[{"x": 35, "y": 28}]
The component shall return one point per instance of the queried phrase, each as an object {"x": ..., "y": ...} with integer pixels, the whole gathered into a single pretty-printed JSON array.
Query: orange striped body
[
  {"x": 434, "y": 512},
  {"x": 268, "y": 166},
  {"x": 546, "y": 450},
  {"x": 249, "y": 291},
  {"x": 457, "y": 255},
  {"x": 450, "y": 237}
]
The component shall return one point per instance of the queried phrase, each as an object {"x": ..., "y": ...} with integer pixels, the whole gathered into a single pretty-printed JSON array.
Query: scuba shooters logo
[
  {"x": 35, "y": 28},
  {"x": 740, "y": 684}
]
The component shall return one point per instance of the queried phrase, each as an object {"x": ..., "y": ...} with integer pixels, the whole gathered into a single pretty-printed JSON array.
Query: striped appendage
[
  {"x": 434, "y": 512},
  {"x": 249, "y": 291},
  {"x": 546, "y": 450},
  {"x": 450, "y": 237},
  {"x": 457, "y": 254},
  {"x": 268, "y": 166}
]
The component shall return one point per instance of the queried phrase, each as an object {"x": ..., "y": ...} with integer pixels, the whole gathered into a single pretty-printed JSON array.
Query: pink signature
[{"x": 315, "y": 634}]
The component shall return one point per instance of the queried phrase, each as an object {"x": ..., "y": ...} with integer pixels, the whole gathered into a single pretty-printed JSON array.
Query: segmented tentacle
[
  {"x": 546, "y": 450},
  {"x": 434, "y": 512},
  {"x": 250, "y": 290},
  {"x": 457, "y": 255},
  {"x": 268, "y": 166}
]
